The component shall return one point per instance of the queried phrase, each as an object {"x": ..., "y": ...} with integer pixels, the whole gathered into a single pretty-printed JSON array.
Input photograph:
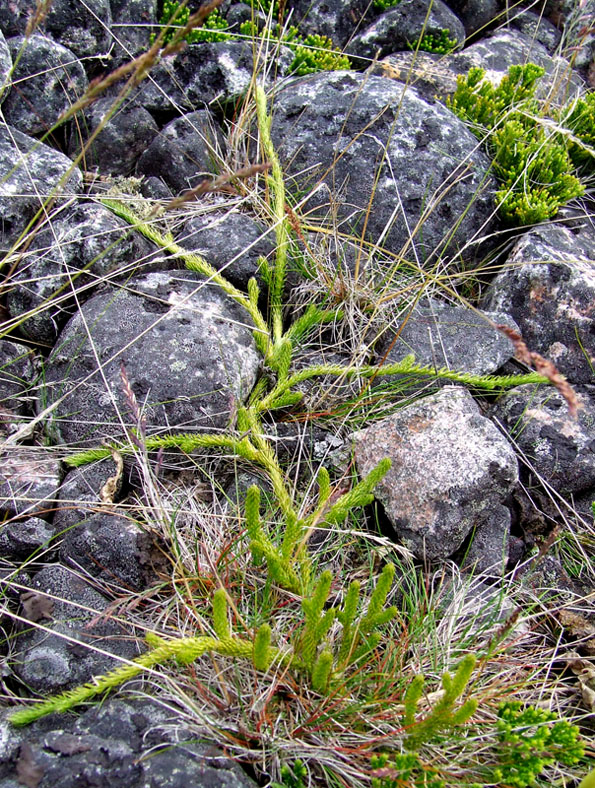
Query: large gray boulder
[
  {"x": 31, "y": 174},
  {"x": 407, "y": 170},
  {"x": 187, "y": 349},
  {"x": 548, "y": 287},
  {"x": 47, "y": 80},
  {"x": 451, "y": 472}
]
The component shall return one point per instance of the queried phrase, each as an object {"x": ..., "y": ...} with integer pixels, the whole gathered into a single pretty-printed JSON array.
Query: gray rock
[
  {"x": 548, "y": 287},
  {"x": 5, "y": 66},
  {"x": 441, "y": 335},
  {"x": 16, "y": 377},
  {"x": 29, "y": 480},
  {"x": 79, "y": 495},
  {"x": 81, "y": 27},
  {"x": 401, "y": 26},
  {"x": 113, "y": 548},
  {"x": 20, "y": 539},
  {"x": 188, "y": 352},
  {"x": 72, "y": 610},
  {"x": 104, "y": 748},
  {"x": 230, "y": 241},
  {"x": 121, "y": 141},
  {"x": 46, "y": 81},
  {"x": 337, "y": 19},
  {"x": 84, "y": 246},
  {"x": 475, "y": 14},
  {"x": 203, "y": 74},
  {"x": 333, "y": 127},
  {"x": 560, "y": 450},
  {"x": 536, "y": 27},
  {"x": 450, "y": 468},
  {"x": 488, "y": 552},
  {"x": 131, "y": 26},
  {"x": 30, "y": 173},
  {"x": 185, "y": 151}
]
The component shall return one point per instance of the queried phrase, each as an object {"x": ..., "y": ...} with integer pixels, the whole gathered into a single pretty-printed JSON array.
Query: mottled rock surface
[
  {"x": 29, "y": 479},
  {"x": 450, "y": 468},
  {"x": 187, "y": 350},
  {"x": 337, "y": 128}
]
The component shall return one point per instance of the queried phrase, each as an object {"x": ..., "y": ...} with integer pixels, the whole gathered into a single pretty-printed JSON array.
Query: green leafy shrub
[
  {"x": 400, "y": 769},
  {"x": 528, "y": 742},
  {"x": 383, "y": 5},
  {"x": 174, "y": 16},
  {"x": 437, "y": 43},
  {"x": 531, "y": 156},
  {"x": 316, "y": 53},
  {"x": 292, "y": 776}
]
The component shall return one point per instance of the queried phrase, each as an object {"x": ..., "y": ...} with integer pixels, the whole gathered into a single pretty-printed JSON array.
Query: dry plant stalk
[{"x": 546, "y": 368}]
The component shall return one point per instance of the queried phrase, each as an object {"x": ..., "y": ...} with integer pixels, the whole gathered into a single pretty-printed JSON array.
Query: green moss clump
[
  {"x": 173, "y": 17},
  {"x": 383, "y": 5},
  {"x": 437, "y": 43},
  {"x": 534, "y": 157}
]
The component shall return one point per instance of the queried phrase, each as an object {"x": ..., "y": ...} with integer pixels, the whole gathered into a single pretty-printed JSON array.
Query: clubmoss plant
[
  {"x": 175, "y": 16},
  {"x": 534, "y": 157}
]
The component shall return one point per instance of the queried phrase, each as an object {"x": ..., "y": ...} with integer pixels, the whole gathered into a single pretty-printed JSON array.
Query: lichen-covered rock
[
  {"x": 488, "y": 551},
  {"x": 46, "y": 81},
  {"x": 450, "y": 468},
  {"x": 81, "y": 639},
  {"x": 23, "y": 539},
  {"x": 29, "y": 479},
  {"x": 83, "y": 27},
  {"x": 16, "y": 377},
  {"x": 475, "y": 14},
  {"x": 30, "y": 173},
  {"x": 560, "y": 449},
  {"x": 121, "y": 141},
  {"x": 537, "y": 27},
  {"x": 337, "y": 19},
  {"x": 83, "y": 247},
  {"x": 340, "y": 127},
  {"x": 185, "y": 151},
  {"x": 5, "y": 66},
  {"x": 132, "y": 22},
  {"x": 231, "y": 241},
  {"x": 443, "y": 335},
  {"x": 79, "y": 495},
  {"x": 205, "y": 73},
  {"x": 106, "y": 746},
  {"x": 401, "y": 26},
  {"x": 188, "y": 354},
  {"x": 548, "y": 287},
  {"x": 113, "y": 548}
]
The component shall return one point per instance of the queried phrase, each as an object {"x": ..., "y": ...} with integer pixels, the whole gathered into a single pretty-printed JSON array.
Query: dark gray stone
[
  {"x": 340, "y": 20},
  {"x": 442, "y": 335},
  {"x": 230, "y": 241},
  {"x": 5, "y": 66},
  {"x": 16, "y": 377},
  {"x": 188, "y": 352},
  {"x": 79, "y": 495},
  {"x": 46, "y": 82},
  {"x": 72, "y": 610},
  {"x": 450, "y": 468},
  {"x": 401, "y": 26},
  {"x": 30, "y": 173},
  {"x": 108, "y": 746},
  {"x": 20, "y": 539},
  {"x": 29, "y": 480},
  {"x": 83, "y": 27},
  {"x": 113, "y": 548},
  {"x": 132, "y": 22},
  {"x": 475, "y": 14},
  {"x": 185, "y": 151},
  {"x": 536, "y": 27},
  {"x": 154, "y": 188},
  {"x": 338, "y": 127},
  {"x": 561, "y": 450},
  {"x": 205, "y": 73},
  {"x": 121, "y": 141},
  {"x": 548, "y": 287},
  {"x": 84, "y": 246},
  {"x": 488, "y": 552}
]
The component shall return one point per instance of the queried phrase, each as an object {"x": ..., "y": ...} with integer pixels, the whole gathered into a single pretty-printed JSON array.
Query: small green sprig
[
  {"x": 443, "y": 716},
  {"x": 531, "y": 739},
  {"x": 438, "y": 43}
]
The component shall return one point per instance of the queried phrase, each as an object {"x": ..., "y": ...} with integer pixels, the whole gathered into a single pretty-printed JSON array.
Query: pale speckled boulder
[
  {"x": 451, "y": 468},
  {"x": 338, "y": 127},
  {"x": 548, "y": 286},
  {"x": 30, "y": 172},
  {"x": 47, "y": 80},
  {"x": 188, "y": 352}
]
